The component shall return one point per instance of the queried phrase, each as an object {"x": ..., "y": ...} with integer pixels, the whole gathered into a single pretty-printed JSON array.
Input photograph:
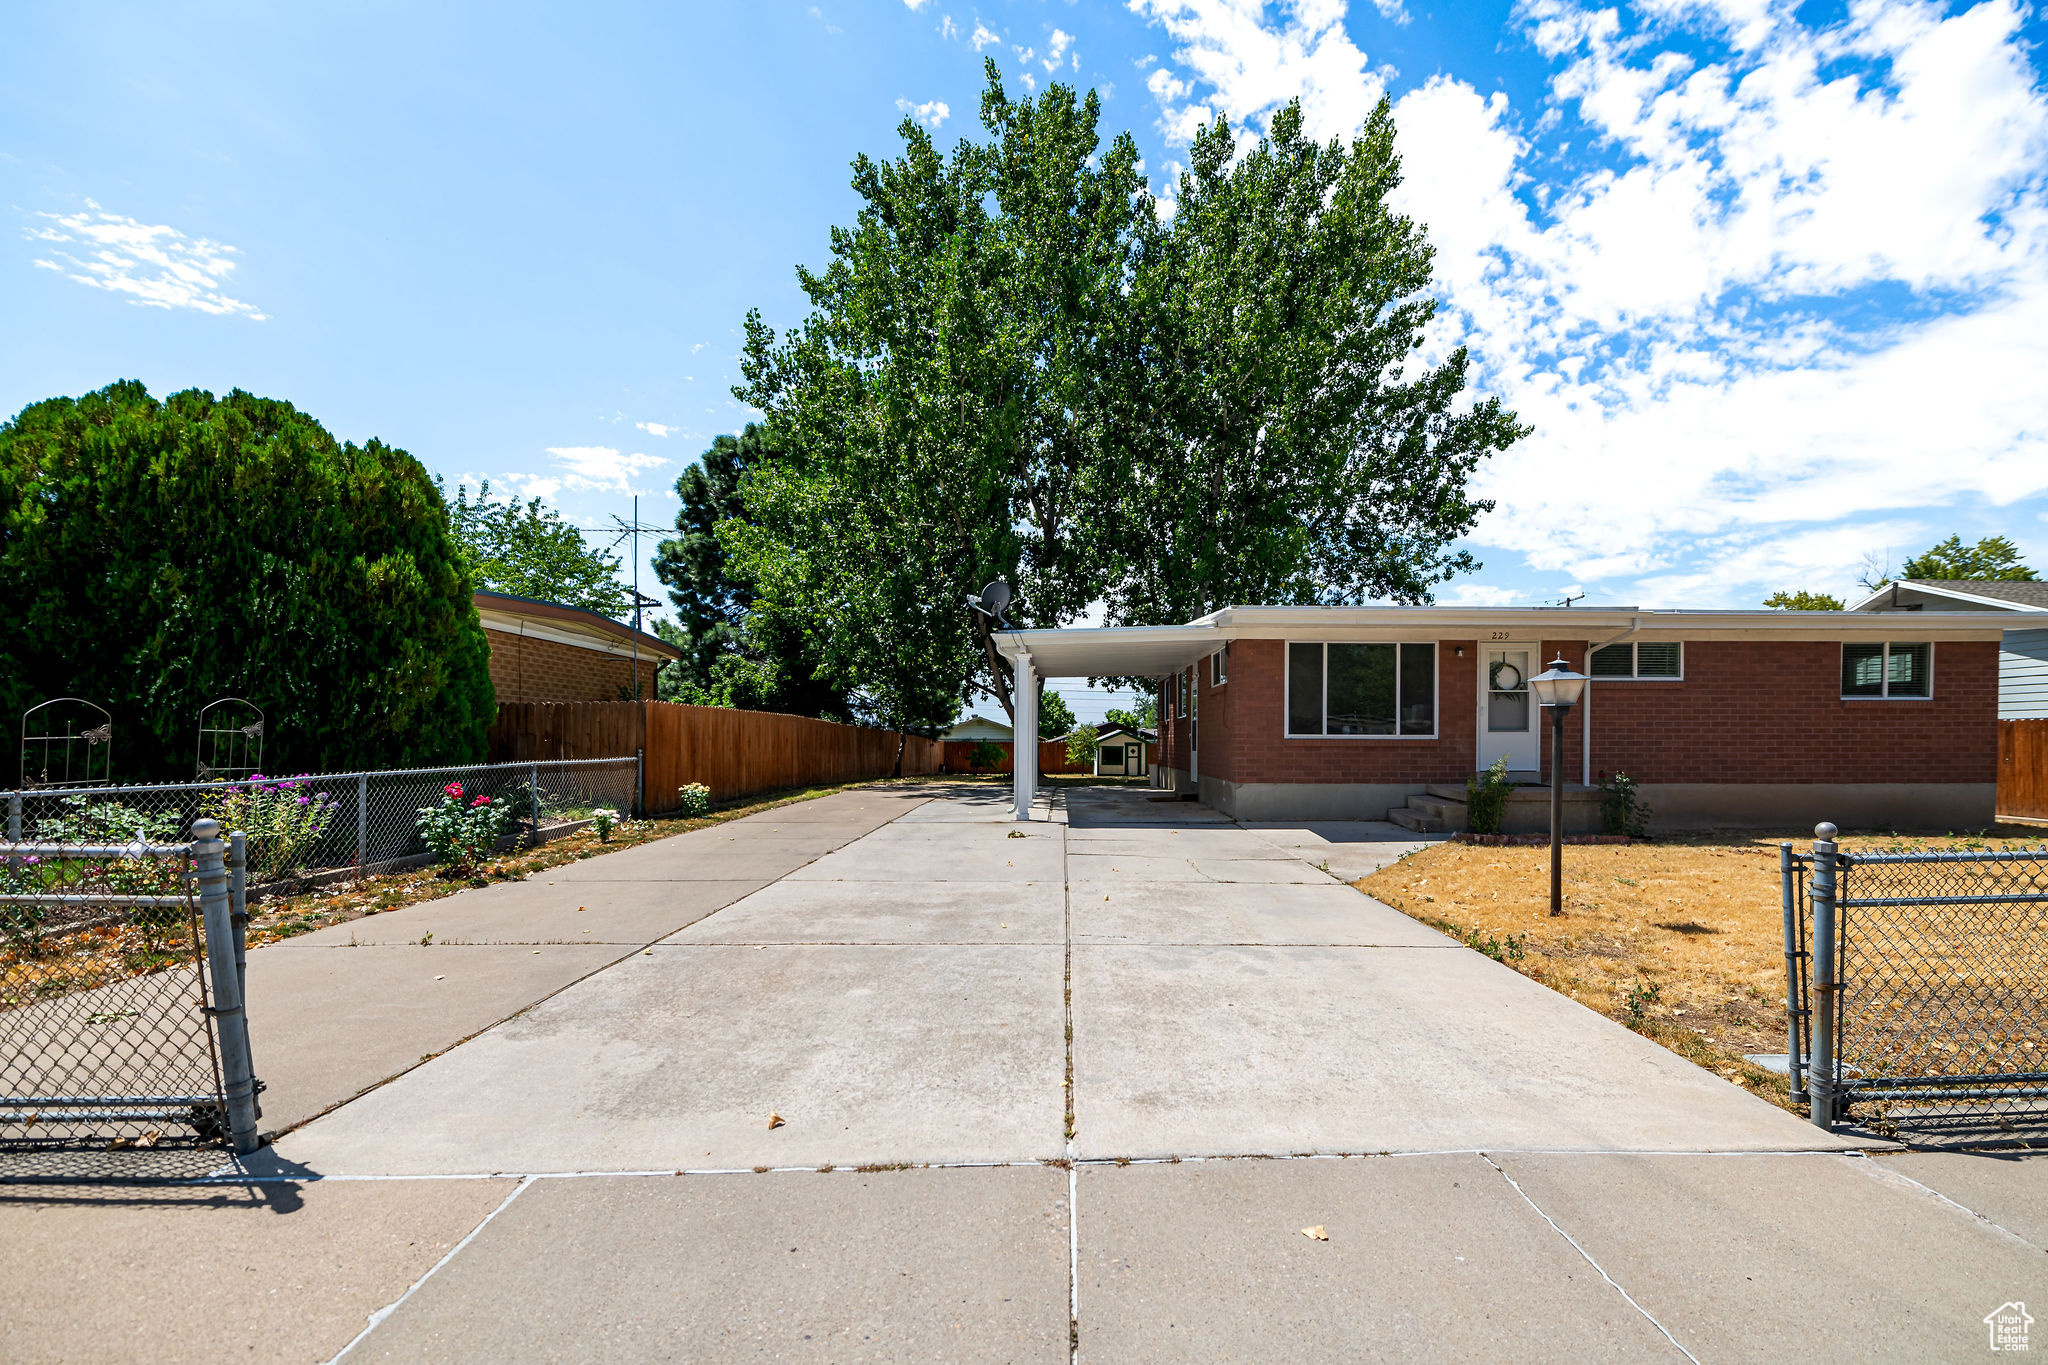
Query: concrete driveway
[{"x": 899, "y": 1078}]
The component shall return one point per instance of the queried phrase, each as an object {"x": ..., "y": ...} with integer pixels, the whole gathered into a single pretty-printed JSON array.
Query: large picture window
[
  {"x": 1646, "y": 660},
  {"x": 1887, "y": 670},
  {"x": 1361, "y": 691}
]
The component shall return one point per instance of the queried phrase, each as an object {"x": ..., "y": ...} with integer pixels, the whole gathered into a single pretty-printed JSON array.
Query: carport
[{"x": 1097, "y": 652}]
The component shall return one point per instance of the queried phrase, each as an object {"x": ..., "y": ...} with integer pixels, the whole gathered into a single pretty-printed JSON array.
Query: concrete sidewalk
[{"x": 1077, "y": 1082}]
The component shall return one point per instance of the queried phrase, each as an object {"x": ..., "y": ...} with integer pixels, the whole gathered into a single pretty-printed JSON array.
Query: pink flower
[
  {"x": 454, "y": 790},
  {"x": 480, "y": 801}
]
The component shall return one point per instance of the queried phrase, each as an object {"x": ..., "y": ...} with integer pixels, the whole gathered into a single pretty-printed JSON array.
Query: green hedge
[{"x": 157, "y": 555}]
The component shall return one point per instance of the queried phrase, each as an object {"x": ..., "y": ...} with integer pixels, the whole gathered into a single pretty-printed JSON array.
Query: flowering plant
[
  {"x": 461, "y": 834},
  {"x": 604, "y": 817},
  {"x": 695, "y": 799},
  {"x": 281, "y": 816}
]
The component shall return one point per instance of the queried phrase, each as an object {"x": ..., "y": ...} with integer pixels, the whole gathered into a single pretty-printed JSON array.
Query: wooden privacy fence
[
  {"x": 2023, "y": 768},
  {"x": 734, "y": 753}
]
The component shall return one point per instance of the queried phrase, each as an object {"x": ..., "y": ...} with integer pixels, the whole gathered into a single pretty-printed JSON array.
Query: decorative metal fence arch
[
  {"x": 230, "y": 739},
  {"x": 67, "y": 742}
]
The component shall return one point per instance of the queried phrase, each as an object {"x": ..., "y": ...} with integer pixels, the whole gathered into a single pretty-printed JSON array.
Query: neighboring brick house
[
  {"x": 2023, "y": 658},
  {"x": 1722, "y": 718},
  {"x": 544, "y": 651}
]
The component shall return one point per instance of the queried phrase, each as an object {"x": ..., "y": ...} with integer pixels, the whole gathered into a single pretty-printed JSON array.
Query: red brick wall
[
  {"x": 525, "y": 668},
  {"x": 1771, "y": 711},
  {"x": 1747, "y": 711}
]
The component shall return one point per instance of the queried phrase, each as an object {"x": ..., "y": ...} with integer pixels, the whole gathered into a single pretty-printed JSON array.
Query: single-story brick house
[
  {"x": 1722, "y": 718},
  {"x": 544, "y": 651}
]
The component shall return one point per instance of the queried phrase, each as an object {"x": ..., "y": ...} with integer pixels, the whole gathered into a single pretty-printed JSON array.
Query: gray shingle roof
[{"x": 2022, "y": 594}]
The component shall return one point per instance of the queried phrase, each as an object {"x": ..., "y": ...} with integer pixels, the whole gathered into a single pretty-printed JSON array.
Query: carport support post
[
  {"x": 1820, "y": 1067},
  {"x": 1024, "y": 737},
  {"x": 238, "y": 1078}
]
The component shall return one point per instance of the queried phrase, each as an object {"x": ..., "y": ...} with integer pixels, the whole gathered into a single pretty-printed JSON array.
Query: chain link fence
[
  {"x": 112, "y": 1029},
  {"x": 1917, "y": 990},
  {"x": 299, "y": 828}
]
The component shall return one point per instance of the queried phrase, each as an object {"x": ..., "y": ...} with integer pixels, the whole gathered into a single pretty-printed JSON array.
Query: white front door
[{"x": 1508, "y": 716}]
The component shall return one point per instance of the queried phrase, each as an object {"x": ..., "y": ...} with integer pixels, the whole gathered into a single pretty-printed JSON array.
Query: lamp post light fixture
[{"x": 1559, "y": 689}]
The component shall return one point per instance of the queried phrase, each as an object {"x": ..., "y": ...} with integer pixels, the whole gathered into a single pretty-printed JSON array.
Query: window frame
[
  {"x": 1635, "y": 664},
  {"x": 1185, "y": 682},
  {"x": 1436, "y": 673},
  {"x": 1884, "y": 670},
  {"x": 1219, "y": 667}
]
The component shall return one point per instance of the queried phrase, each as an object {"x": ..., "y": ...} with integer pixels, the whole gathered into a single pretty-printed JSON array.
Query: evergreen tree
[{"x": 155, "y": 556}]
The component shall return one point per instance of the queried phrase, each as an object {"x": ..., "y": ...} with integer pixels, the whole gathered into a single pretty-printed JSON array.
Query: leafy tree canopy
[
  {"x": 1055, "y": 717},
  {"x": 1013, "y": 368},
  {"x": 738, "y": 650},
  {"x": 155, "y": 556},
  {"x": 1145, "y": 717},
  {"x": 1803, "y": 601},
  {"x": 1992, "y": 559},
  {"x": 1081, "y": 745},
  {"x": 528, "y": 550}
]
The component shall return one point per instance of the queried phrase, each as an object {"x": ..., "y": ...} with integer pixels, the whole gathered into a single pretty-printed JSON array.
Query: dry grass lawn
[{"x": 1682, "y": 939}]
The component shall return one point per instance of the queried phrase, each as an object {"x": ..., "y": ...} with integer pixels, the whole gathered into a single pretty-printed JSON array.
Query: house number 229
[{"x": 1497, "y": 635}]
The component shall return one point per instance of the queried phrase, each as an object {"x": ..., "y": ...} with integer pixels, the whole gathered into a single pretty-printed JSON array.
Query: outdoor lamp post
[{"x": 1559, "y": 689}]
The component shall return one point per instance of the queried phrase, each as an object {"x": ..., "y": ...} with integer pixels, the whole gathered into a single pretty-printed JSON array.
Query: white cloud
[
  {"x": 1254, "y": 68},
  {"x": 983, "y": 36},
  {"x": 915, "y": 5},
  {"x": 155, "y": 266},
  {"x": 1683, "y": 310},
  {"x": 947, "y": 28},
  {"x": 931, "y": 113},
  {"x": 600, "y": 469},
  {"x": 1393, "y": 11},
  {"x": 1056, "y": 50},
  {"x": 654, "y": 428}
]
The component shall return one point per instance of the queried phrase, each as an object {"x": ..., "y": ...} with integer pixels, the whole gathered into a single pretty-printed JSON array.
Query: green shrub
[
  {"x": 157, "y": 555},
  {"x": 694, "y": 800},
  {"x": 1621, "y": 810},
  {"x": 1081, "y": 746},
  {"x": 1486, "y": 798},
  {"x": 985, "y": 756},
  {"x": 461, "y": 833}
]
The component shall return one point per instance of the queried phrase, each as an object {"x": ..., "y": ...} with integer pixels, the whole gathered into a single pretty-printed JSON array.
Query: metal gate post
[
  {"x": 362, "y": 823},
  {"x": 1821, "y": 993},
  {"x": 1795, "y": 1065},
  {"x": 640, "y": 784},
  {"x": 238, "y": 903},
  {"x": 238, "y": 1077},
  {"x": 533, "y": 792}
]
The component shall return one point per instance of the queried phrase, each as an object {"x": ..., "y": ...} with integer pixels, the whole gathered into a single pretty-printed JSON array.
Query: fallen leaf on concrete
[
  {"x": 775, "y": 1120},
  {"x": 119, "y": 1143},
  {"x": 579, "y": 909},
  {"x": 442, "y": 977},
  {"x": 1316, "y": 1233}
]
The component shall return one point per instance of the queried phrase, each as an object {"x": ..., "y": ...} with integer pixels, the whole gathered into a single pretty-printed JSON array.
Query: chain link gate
[
  {"x": 1917, "y": 989},
  {"x": 121, "y": 994}
]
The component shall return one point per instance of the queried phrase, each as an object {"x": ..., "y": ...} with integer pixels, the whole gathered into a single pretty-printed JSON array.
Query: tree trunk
[{"x": 901, "y": 740}]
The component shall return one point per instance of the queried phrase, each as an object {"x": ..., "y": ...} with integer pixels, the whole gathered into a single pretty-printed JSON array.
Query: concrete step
[
  {"x": 1407, "y": 817},
  {"x": 1440, "y": 808}
]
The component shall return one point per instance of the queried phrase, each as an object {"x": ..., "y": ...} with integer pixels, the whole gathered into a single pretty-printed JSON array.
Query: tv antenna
[
  {"x": 631, "y": 530},
  {"x": 1569, "y": 599}
]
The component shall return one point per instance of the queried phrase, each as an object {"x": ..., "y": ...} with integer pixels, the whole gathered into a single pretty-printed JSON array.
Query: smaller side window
[
  {"x": 1887, "y": 670},
  {"x": 1219, "y": 667},
  {"x": 1647, "y": 660}
]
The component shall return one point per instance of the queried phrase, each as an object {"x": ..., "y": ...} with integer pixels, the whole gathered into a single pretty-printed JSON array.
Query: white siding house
[{"x": 2022, "y": 658}]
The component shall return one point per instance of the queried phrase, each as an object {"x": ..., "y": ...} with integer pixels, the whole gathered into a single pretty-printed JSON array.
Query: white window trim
[
  {"x": 1183, "y": 683},
  {"x": 1435, "y": 700},
  {"x": 1634, "y": 663},
  {"x": 1885, "y": 671},
  {"x": 1219, "y": 668}
]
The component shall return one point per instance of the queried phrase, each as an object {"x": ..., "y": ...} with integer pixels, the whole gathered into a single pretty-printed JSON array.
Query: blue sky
[{"x": 1771, "y": 280}]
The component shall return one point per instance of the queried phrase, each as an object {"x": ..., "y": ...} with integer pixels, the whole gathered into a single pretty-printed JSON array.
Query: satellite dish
[{"x": 995, "y": 598}]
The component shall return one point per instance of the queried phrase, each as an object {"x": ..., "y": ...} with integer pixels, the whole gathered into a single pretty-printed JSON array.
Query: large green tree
[
  {"x": 738, "y": 649},
  {"x": 529, "y": 550},
  {"x": 157, "y": 555},
  {"x": 1802, "y": 600},
  {"x": 1992, "y": 559},
  {"x": 1014, "y": 367}
]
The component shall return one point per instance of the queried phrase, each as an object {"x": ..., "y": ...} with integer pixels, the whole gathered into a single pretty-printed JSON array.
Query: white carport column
[{"x": 1024, "y": 738}]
